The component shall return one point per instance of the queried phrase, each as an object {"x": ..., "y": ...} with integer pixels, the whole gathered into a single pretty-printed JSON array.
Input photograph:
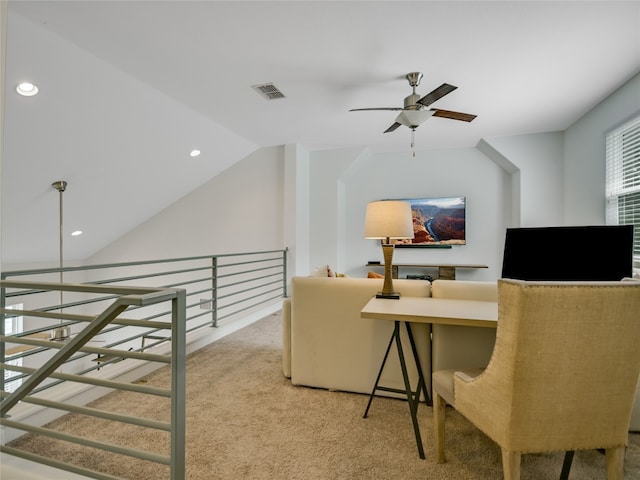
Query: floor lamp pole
[{"x": 61, "y": 186}]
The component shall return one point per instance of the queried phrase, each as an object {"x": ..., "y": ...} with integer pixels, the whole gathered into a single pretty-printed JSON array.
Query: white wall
[
  {"x": 296, "y": 208},
  {"x": 584, "y": 154},
  {"x": 544, "y": 179},
  {"x": 3, "y": 58},
  {"x": 239, "y": 210},
  {"x": 326, "y": 168},
  {"x": 314, "y": 202},
  {"x": 344, "y": 181},
  {"x": 539, "y": 164}
]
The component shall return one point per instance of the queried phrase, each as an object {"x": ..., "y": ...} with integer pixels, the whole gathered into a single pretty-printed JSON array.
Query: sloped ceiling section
[{"x": 122, "y": 146}]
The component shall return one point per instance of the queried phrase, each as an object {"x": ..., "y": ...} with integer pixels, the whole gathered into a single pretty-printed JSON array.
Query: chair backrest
[{"x": 567, "y": 357}]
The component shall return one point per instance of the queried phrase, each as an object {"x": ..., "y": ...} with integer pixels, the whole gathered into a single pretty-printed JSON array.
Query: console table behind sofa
[{"x": 445, "y": 271}]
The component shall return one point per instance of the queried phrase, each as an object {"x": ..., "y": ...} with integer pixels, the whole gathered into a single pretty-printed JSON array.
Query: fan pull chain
[{"x": 413, "y": 133}]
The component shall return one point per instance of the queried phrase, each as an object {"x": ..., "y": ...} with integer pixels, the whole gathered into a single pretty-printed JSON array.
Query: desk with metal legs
[
  {"x": 446, "y": 311},
  {"x": 423, "y": 310},
  {"x": 413, "y": 398}
]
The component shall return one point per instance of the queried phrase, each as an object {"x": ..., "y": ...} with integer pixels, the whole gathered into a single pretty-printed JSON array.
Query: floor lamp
[{"x": 386, "y": 220}]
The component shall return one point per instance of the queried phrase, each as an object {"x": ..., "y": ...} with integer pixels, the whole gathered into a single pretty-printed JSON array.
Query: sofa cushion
[
  {"x": 462, "y": 348},
  {"x": 468, "y": 290},
  {"x": 323, "y": 271}
]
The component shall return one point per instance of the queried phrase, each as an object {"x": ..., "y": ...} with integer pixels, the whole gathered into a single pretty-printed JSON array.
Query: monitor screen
[{"x": 581, "y": 253}]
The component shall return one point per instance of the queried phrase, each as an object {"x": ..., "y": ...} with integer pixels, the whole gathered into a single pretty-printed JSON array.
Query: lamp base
[
  {"x": 391, "y": 296},
  {"x": 387, "y": 286}
]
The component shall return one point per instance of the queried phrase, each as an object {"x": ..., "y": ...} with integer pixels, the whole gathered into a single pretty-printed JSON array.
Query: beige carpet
[{"x": 246, "y": 421}]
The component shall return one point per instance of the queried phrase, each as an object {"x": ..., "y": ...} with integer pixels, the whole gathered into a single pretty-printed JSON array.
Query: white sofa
[{"x": 327, "y": 344}]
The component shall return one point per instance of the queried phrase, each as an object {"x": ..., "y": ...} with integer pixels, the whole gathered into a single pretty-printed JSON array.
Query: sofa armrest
[{"x": 286, "y": 337}]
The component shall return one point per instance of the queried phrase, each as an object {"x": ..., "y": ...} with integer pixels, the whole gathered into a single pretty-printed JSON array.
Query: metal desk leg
[
  {"x": 375, "y": 386},
  {"x": 421, "y": 380},
  {"x": 566, "y": 465},
  {"x": 413, "y": 398}
]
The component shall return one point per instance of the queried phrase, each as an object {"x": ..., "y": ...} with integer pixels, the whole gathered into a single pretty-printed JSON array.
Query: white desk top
[{"x": 446, "y": 311}]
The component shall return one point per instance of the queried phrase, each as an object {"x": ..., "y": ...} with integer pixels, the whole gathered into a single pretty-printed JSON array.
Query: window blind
[{"x": 623, "y": 179}]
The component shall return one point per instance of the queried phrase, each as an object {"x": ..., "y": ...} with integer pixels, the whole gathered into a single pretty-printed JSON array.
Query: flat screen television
[
  {"x": 437, "y": 221},
  {"x": 579, "y": 253}
]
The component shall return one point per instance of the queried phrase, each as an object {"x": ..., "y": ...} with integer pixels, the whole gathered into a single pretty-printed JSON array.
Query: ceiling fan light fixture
[{"x": 413, "y": 118}]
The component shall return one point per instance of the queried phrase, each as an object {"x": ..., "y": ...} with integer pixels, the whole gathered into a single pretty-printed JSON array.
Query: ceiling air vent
[{"x": 268, "y": 91}]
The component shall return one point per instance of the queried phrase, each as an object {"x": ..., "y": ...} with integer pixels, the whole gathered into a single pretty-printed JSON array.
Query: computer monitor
[{"x": 577, "y": 253}]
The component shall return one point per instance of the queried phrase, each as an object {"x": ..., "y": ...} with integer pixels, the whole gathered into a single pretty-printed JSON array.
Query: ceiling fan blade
[
  {"x": 436, "y": 94},
  {"x": 376, "y": 108},
  {"x": 392, "y": 127},
  {"x": 465, "y": 117}
]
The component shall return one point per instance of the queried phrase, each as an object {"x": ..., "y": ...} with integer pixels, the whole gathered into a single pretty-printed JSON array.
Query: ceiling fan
[{"x": 415, "y": 109}]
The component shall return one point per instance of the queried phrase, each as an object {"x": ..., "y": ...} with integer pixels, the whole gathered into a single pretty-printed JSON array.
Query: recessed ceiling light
[
  {"x": 195, "y": 153},
  {"x": 76, "y": 233},
  {"x": 27, "y": 89}
]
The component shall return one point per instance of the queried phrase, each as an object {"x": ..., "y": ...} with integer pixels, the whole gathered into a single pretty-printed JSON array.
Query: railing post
[
  {"x": 178, "y": 385},
  {"x": 214, "y": 291}
]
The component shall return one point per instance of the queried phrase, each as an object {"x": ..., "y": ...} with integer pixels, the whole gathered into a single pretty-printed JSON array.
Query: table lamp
[{"x": 386, "y": 220}]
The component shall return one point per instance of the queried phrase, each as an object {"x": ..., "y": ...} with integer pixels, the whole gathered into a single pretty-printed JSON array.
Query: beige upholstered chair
[{"x": 562, "y": 375}]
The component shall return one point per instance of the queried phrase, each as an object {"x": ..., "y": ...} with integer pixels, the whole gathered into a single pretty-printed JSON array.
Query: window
[
  {"x": 623, "y": 179},
  {"x": 13, "y": 325}
]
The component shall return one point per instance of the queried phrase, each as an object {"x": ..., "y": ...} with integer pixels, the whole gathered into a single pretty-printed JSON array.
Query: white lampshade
[
  {"x": 388, "y": 219},
  {"x": 413, "y": 118}
]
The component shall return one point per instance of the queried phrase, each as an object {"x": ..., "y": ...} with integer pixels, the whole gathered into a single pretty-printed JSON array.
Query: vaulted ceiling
[{"x": 129, "y": 88}]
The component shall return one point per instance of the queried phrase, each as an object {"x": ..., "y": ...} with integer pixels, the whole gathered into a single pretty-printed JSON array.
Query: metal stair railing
[
  {"x": 123, "y": 298},
  {"x": 117, "y": 333}
]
